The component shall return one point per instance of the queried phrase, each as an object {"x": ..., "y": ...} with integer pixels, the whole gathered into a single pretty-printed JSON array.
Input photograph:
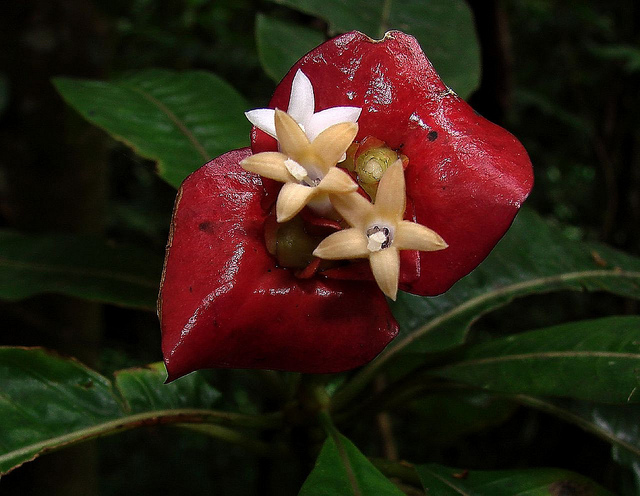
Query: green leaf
[
  {"x": 342, "y": 469},
  {"x": 444, "y": 28},
  {"x": 180, "y": 120},
  {"x": 445, "y": 481},
  {"x": 281, "y": 44},
  {"x": 615, "y": 424},
  {"x": 532, "y": 258},
  {"x": 83, "y": 267},
  {"x": 457, "y": 413},
  {"x": 557, "y": 360},
  {"x": 48, "y": 402}
]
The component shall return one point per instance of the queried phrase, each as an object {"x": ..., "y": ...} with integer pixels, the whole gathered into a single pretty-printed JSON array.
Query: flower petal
[
  {"x": 385, "y": 265},
  {"x": 331, "y": 144},
  {"x": 414, "y": 236},
  {"x": 292, "y": 198},
  {"x": 391, "y": 195},
  {"x": 337, "y": 181},
  {"x": 343, "y": 245},
  {"x": 328, "y": 117},
  {"x": 353, "y": 207},
  {"x": 268, "y": 164},
  {"x": 263, "y": 119},
  {"x": 293, "y": 141},
  {"x": 301, "y": 101}
]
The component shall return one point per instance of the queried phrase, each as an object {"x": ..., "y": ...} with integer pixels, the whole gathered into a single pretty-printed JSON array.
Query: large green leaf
[
  {"x": 180, "y": 120},
  {"x": 532, "y": 258},
  {"x": 444, "y": 28},
  {"x": 342, "y": 469},
  {"x": 445, "y": 481},
  {"x": 596, "y": 360},
  {"x": 281, "y": 44},
  {"x": 48, "y": 402},
  {"x": 78, "y": 266}
]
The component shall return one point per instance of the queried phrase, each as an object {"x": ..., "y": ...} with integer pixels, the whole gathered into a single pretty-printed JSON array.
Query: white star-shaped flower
[
  {"x": 378, "y": 231},
  {"x": 307, "y": 168},
  {"x": 302, "y": 109}
]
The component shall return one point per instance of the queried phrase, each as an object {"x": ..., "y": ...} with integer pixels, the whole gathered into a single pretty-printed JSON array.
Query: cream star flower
[
  {"x": 307, "y": 168},
  {"x": 302, "y": 110},
  {"x": 378, "y": 231}
]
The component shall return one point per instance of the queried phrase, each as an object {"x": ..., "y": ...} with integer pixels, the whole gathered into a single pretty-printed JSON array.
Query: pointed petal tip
[{"x": 385, "y": 265}]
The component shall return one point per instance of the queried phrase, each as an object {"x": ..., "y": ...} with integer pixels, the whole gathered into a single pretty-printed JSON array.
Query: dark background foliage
[{"x": 562, "y": 76}]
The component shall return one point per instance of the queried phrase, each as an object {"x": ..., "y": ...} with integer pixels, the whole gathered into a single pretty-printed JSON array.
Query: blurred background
[{"x": 564, "y": 77}]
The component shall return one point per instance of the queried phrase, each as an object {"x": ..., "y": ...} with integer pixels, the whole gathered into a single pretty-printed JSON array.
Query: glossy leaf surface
[
  {"x": 445, "y": 481},
  {"x": 445, "y": 30},
  {"x": 281, "y": 44},
  {"x": 48, "y": 402},
  {"x": 180, "y": 120},
  {"x": 342, "y": 469},
  {"x": 83, "y": 267},
  {"x": 596, "y": 360}
]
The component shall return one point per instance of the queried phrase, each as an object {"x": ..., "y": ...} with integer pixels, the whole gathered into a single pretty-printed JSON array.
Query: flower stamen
[
  {"x": 379, "y": 238},
  {"x": 296, "y": 170}
]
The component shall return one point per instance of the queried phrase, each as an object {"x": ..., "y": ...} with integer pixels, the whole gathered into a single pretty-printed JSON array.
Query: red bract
[
  {"x": 225, "y": 303},
  {"x": 466, "y": 177}
]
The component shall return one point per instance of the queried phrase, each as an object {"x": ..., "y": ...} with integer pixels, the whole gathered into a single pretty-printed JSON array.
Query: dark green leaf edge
[
  {"x": 342, "y": 465},
  {"x": 605, "y": 347},
  {"x": 337, "y": 440},
  {"x": 169, "y": 172},
  {"x": 532, "y": 286},
  {"x": 10, "y": 460},
  {"x": 539, "y": 286},
  {"x": 60, "y": 83}
]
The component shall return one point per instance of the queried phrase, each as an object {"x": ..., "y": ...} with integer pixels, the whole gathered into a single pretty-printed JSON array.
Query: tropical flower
[
  {"x": 308, "y": 169},
  {"x": 378, "y": 231},
  {"x": 466, "y": 178},
  {"x": 280, "y": 256},
  {"x": 301, "y": 108}
]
